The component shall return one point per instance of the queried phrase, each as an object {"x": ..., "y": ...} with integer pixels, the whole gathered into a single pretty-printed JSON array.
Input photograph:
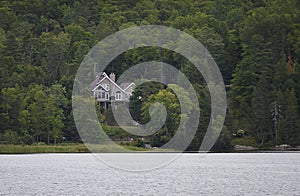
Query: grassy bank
[
  {"x": 60, "y": 148},
  {"x": 23, "y": 149}
]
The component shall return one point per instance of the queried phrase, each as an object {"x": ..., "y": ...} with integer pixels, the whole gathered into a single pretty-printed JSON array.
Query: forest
[{"x": 255, "y": 43}]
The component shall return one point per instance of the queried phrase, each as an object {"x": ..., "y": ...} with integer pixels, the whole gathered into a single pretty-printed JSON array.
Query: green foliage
[
  {"x": 175, "y": 111},
  {"x": 224, "y": 141},
  {"x": 139, "y": 96},
  {"x": 255, "y": 43},
  {"x": 265, "y": 75},
  {"x": 9, "y": 137},
  {"x": 140, "y": 144}
]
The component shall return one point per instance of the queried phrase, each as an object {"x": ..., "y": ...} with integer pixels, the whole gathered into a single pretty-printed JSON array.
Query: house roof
[
  {"x": 102, "y": 76},
  {"x": 99, "y": 77},
  {"x": 125, "y": 86},
  {"x": 101, "y": 86}
]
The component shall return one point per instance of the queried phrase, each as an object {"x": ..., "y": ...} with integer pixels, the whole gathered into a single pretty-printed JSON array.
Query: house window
[
  {"x": 101, "y": 95},
  {"x": 107, "y": 96},
  {"x": 118, "y": 95},
  {"x": 106, "y": 86}
]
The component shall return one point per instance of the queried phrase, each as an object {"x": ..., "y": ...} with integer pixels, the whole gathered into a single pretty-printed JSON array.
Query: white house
[{"x": 106, "y": 90}]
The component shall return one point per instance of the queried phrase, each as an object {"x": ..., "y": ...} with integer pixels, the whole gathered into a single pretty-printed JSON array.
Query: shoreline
[{"x": 82, "y": 148}]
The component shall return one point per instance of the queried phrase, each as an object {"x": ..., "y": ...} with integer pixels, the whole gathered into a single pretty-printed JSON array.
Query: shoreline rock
[{"x": 241, "y": 147}]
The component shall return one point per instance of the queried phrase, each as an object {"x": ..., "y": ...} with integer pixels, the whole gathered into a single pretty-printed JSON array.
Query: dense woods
[{"x": 256, "y": 45}]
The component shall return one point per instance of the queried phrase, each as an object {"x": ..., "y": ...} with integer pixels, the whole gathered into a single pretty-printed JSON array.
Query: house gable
[
  {"x": 110, "y": 82},
  {"x": 97, "y": 87}
]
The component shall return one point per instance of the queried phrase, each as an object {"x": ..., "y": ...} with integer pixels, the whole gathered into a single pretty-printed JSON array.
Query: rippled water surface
[{"x": 214, "y": 174}]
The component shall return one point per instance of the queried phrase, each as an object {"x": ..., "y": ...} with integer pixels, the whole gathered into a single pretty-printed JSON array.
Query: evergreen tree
[{"x": 290, "y": 130}]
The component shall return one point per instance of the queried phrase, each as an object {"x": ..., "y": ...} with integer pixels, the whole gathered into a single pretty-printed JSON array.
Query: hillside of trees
[{"x": 256, "y": 45}]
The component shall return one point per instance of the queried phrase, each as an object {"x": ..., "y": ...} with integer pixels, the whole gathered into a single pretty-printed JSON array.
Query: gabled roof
[
  {"x": 101, "y": 86},
  {"x": 124, "y": 85},
  {"x": 99, "y": 77},
  {"x": 105, "y": 76},
  {"x": 127, "y": 85}
]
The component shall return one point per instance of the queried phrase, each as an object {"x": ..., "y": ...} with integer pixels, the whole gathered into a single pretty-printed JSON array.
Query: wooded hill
[{"x": 255, "y": 43}]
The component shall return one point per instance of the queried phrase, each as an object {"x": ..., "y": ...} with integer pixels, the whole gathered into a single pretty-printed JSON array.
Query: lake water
[{"x": 213, "y": 174}]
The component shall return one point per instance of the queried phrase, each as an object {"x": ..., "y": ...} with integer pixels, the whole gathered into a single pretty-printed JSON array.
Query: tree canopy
[{"x": 256, "y": 45}]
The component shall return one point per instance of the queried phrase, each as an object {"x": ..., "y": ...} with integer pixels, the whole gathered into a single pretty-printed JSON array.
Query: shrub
[{"x": 10, "y": 137}]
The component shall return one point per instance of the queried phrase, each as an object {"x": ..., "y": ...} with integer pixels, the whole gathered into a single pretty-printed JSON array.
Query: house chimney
[{"x": 112, "y": 77}]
